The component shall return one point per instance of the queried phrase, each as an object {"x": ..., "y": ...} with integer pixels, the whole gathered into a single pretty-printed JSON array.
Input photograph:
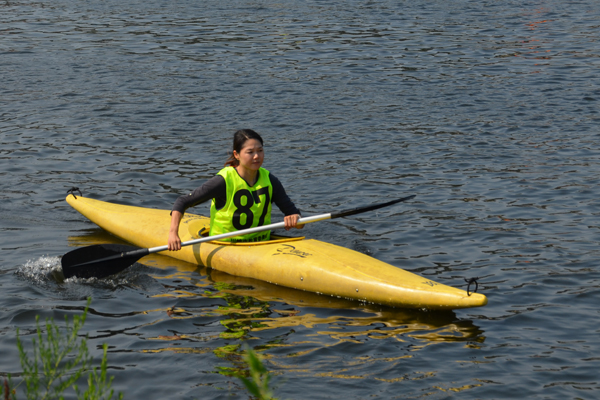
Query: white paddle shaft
[{"x": 278, "y": 225}]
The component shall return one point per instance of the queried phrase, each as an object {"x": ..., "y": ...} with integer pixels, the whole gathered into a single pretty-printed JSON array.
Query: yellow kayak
[{"x": 298, "y": 263}]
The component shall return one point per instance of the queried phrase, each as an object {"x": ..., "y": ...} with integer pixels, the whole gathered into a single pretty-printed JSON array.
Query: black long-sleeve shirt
[{"x": 216, "y": 188}]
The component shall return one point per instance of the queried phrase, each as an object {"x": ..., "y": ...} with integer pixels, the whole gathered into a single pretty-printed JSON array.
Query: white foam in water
[
  {"x": 41, "y": 269},
  {"x": 47, "y": 270}
]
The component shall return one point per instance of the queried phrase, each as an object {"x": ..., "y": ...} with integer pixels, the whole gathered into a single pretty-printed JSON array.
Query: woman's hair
[{"x": 239, "y": 139}]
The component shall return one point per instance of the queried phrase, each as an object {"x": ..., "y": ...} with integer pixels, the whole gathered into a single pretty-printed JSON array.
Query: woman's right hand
[{"x": 174, "y": 241}]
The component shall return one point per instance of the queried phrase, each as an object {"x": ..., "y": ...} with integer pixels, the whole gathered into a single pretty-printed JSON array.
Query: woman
[{"x": 241, "y": 194}]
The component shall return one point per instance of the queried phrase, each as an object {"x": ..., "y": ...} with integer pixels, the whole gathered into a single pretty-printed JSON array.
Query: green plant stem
[
  {"x": 258, "y": 383},
  {"x": 60, "y": 360}
]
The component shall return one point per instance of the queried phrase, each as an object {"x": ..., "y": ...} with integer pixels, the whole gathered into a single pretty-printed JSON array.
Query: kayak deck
[{"x": 299, "y": 263}]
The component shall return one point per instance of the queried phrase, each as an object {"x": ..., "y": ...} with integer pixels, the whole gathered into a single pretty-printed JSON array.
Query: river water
[{"x": 487, "y": 111}]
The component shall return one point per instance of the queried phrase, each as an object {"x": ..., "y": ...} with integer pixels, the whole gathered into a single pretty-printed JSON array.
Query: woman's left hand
[{"x": 291, "y": 221}]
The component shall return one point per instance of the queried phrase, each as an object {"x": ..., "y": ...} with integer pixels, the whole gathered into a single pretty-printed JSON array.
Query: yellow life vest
[{"x": 246, "y": 206}]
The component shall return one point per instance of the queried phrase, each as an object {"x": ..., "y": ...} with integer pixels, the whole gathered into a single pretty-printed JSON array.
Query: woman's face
[{"x": 251, "y": 156}]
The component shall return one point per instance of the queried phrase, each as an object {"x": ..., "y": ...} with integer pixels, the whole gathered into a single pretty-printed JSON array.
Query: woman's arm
[
  {"x": 285, "y": 204},
  {"x": 174, "y": 240},
  {"x": 214, "y": 188}
]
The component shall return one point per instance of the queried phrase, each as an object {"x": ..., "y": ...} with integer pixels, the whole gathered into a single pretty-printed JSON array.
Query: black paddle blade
[
  {"x": 360, "y": 210},
  {"x": 100, "y": 260}
]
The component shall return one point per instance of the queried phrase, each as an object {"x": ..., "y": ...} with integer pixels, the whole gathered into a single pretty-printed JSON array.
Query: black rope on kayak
[
  {"x": 470, "y": 281},
  {"x": 73, "y": 190}
]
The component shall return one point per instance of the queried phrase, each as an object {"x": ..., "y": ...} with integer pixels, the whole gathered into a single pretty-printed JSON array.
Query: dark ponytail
[{"x": 239, "y": 139}]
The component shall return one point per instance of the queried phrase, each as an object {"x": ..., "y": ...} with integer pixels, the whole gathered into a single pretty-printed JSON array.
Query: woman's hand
[
  {"x": 174, "y": 241},
  {"x": 291, "y": 221}
]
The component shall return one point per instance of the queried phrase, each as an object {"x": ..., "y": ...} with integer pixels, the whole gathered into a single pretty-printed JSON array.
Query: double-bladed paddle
[{"x": 102, "y": 260}]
